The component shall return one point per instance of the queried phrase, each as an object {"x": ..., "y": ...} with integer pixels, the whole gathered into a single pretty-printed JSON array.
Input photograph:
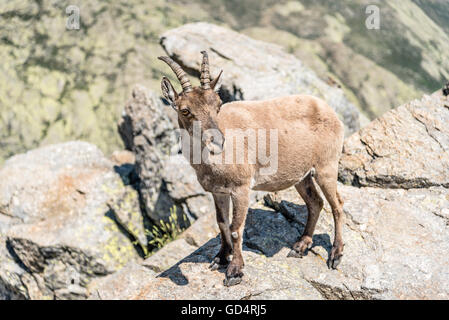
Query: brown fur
[{"x": 310, "y": 139}]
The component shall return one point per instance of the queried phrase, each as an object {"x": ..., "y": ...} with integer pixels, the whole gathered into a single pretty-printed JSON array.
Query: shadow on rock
[
  {"x": 128, "y": 174},
  {"x": 322, "y": 240},
  {"x": 267, "y": 232},
  {"x": 204, "y": 254}
]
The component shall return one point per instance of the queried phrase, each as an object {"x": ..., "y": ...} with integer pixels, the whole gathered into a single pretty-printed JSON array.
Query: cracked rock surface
[
  {"x": 408, "y": 147},
  {"x": 57, "y": 232},
  {"x": 396, "y": 242}
]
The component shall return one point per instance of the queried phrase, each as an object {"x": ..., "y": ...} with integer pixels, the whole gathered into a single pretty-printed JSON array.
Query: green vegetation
[{"x": 166, "y": 231}]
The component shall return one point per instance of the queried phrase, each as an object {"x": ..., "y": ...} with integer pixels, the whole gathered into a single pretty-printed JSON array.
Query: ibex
[{"x": 310, "y": 140}]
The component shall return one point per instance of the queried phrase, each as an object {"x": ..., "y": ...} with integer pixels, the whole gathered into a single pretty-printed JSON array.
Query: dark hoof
[
  {"x": 216, "y": 264},
  {"x": 294, "y": 254},
  {"x": 333, "y": 263},
  {"x": 335, "y": 258},
  {"x": 234, "y": 275},
  {"x": 228, "y": 282},
  {"x": 300, "y": 248}
]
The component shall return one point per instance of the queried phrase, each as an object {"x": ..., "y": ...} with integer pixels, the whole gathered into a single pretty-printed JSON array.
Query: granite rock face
[
  {"x": 253, "y": 70},
  {"x": 57, "y": 230},
  {"x": 408, "y": 147}
]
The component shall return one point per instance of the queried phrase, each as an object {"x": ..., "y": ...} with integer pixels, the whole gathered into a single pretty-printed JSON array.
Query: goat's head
[{"x": 198, "y": 105}]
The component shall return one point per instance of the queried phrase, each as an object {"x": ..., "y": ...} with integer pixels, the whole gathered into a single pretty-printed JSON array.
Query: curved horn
[
  {"x": 180, "y": 74},
  {"x": 205, "y": 74}
]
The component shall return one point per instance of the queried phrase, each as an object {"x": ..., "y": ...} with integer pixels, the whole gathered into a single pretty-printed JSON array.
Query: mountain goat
[{"x": 308, "y": 145}]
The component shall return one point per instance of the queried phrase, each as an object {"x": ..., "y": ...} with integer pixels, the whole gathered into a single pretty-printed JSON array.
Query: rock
[
  {"x": 200, "y": 205},
  {"x": 83, "y": 75},
  {"x": 171, "y": 254},
  {"x": 394, "y": 239},
  {"x": 165, "y": 179},
  {"x": 180, "y": 178},
  {"x": 204, "y": 229},
  {"x": 267, "y": 232},
  {"x": 184, "y": 189},
  {"x": 253, "y": 70},
  {"x": 407, "y": 147},
  {"x": 75, "y": 82},
  {"x": 134, "y": 277},
  {"x": 123, "y": 157},
  {"x": 148, "y": 132},
  {"x": 395, "y": 244},
  {"x": 53, "y": 166},
  {"x": 12, "y": 275},
  {"x": 189, "y": 278},
  {"x": 124, "y": 206},
  {"x": 57, "y": 230},
  {"x": 122, "y": 284}
]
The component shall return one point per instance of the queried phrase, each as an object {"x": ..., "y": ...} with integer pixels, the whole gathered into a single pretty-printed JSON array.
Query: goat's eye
[{"x": 185, "y": 112}]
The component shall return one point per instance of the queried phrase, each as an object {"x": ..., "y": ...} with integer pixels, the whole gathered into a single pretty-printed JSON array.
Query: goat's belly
[
  {"x": 278, "y": 182},
  {"x": 274, "y": 186}
]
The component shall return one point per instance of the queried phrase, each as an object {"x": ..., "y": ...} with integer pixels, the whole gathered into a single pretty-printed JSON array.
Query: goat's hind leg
[
  {"x": 314, "y": 202},
  {"x": 327, "y": 180},
  {"x": 222, "y": 202}
]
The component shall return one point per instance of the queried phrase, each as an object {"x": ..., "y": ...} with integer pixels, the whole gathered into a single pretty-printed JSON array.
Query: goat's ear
[
  {"x": 216, "y": 81},
  {"x": 169, "y": 92}
]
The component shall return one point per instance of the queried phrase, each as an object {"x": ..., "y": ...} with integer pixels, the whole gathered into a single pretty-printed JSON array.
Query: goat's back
[{"x": 309, "y": 134}]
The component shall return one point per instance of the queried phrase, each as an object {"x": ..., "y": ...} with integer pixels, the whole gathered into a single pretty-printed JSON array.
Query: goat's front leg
[
  {"x": 240, "y": 201},
  {"x": 222, "y": 202}
]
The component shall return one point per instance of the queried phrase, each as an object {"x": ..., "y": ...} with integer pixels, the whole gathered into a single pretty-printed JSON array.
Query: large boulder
[
  {"x": 253, "y": 70},
  {"x": 58, "y": 230},
  {"x": 408, "y": 147}
]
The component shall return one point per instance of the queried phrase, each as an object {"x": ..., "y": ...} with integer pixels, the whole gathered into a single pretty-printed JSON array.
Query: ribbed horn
[
  {"x": 180, "y": 74},
  {"x": 205, "y": 74}
]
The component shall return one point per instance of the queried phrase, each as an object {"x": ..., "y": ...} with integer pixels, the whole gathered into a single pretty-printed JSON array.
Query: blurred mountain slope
[
  {"x": 382, "y": 68},
  {"x": 59, "y": 84}
]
